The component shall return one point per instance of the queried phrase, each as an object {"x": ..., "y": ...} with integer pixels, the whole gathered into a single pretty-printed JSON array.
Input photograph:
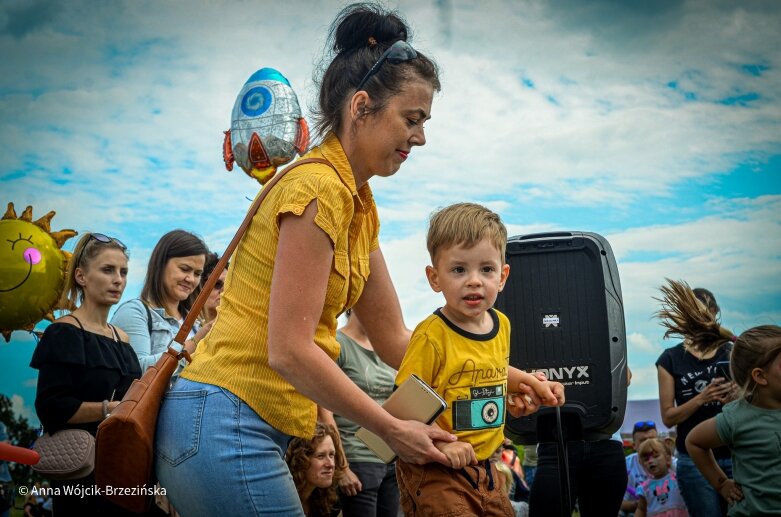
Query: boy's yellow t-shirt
[{"x": 469, "y": 371}]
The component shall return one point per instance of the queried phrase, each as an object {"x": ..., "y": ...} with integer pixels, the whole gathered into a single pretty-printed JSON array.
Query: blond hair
[
  {"x": 83, "y": 254},
  {"x": 655, "y": 444},
  {"x": 464, "y": 224},
  {"x": 685, "y": 315}
]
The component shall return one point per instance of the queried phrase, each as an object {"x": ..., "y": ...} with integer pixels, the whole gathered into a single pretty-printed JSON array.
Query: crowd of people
[{"x": 271, "y": 402}]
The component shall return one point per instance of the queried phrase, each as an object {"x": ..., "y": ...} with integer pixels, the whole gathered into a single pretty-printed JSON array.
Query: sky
[{"x": 654, "y": 124}]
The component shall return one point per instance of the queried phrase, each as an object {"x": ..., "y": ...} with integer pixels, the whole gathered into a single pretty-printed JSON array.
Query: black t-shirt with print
[{"x": 691, "y": 377}]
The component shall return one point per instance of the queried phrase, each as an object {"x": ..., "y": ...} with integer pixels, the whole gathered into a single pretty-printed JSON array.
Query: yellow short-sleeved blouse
[{"x": 234, "y": 355}]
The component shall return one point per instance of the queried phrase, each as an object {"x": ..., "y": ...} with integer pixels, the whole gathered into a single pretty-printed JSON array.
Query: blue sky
[{"x": 655, "y": 124}]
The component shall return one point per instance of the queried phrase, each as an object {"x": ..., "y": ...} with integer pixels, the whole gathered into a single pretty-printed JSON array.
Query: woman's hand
[
  {"x": 191, "y": 344},
  {"x": 349, "y": 484},
  {"x": 719, "y": 390},
  {"x": 413, "y": 442},
  {"x": 202, "y": 331}
]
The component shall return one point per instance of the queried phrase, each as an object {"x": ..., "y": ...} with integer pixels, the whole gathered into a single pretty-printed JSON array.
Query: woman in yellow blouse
[{"x": 311, "y": 252}]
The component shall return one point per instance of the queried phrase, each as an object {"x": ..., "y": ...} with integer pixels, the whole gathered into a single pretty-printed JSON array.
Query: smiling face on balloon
[
  {"x": 18, "y": 256},
  {"x": 32, "y": 271}
]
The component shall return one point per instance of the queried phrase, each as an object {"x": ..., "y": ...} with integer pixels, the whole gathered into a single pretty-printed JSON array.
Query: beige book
[{"x": 413, "y": 400}]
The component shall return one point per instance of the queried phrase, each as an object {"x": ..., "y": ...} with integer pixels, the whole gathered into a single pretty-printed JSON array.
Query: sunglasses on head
[
  {"x": 399, "y": 52},
  {"x": 101, "y": 239},
  {"x": 644, "y": 425}
]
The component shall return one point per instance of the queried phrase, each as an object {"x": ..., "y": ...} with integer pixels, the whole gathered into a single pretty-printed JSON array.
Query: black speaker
[{"x": 563, "y": 299}]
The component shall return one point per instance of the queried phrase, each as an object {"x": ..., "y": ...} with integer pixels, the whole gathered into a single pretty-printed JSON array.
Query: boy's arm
[
  {"x": 460, "y": 454},
  {"x": 699, "y": 443},
  {"x": 535, "y": 390}
]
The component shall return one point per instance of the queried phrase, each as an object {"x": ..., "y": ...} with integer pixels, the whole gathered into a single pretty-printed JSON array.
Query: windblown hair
[
  {"x": 85, "y": 252},
  {"x": 298, "y": 456},
  {"x": 755, "y": 348},
  {"x": 358, "y": 37},
  {"x": 706, "y": 297},
  {"x": 465, "y": 224},
  {"x": 685, "y": 315}
]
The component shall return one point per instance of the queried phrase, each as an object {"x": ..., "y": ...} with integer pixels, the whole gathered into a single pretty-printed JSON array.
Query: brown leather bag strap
[{"x": 184, "y": 330}]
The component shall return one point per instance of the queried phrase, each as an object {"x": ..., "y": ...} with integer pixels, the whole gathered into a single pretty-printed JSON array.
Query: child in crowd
[
  {"x": 511, "y": 482},
  {"x": 659, "y": 496},
  {"x": 636, "y": 473},
  {"x": 749, "y": 426},
  {"x": 462, "y": 351}
]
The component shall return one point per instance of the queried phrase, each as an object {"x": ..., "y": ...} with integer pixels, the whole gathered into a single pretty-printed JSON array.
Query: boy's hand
[
  {"x": 540, "y": 390},
  {"x": 519, "y": 405},
  {"x": 730, "y": 491},
  {"x": 460, "y": 454}
]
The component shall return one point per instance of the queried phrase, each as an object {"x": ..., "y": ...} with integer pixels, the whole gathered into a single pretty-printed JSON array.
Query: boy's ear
[
  {"x": 433, "y": 279},
  {"x": 504, "y": 275},
  {"x": 759, "y": 377}
]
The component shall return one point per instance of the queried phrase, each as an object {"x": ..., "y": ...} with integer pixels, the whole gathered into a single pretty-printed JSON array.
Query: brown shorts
[{"x": 434, "y": 490}]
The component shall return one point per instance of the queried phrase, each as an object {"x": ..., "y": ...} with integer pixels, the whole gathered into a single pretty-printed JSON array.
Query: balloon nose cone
[{"x": 268, "y": 74}]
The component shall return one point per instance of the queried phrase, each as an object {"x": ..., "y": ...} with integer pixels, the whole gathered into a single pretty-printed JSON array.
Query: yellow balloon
[{"x": 32, "y": 269}]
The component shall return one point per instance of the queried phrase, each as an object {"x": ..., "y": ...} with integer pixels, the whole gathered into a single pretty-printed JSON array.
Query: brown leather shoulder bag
[{"x": 124, "y": 452}]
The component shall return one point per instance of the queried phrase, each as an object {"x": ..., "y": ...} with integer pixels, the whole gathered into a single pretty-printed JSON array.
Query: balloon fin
[
  {"x": 258, "y": 156},
  {"x": 6, "y": 335},
  {"x": 10, "y": 213},
  {"x": 302, "y": 137},
  {"x": 227, "y": 151}
]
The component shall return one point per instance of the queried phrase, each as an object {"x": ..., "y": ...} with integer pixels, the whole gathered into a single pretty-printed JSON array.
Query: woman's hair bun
[{"x": 359, "y": 22}]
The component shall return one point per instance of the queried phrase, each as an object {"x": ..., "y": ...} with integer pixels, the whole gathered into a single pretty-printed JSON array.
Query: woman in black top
[
  {"x": 691, "y": 388},
  {"x": 85, "y": 365}
]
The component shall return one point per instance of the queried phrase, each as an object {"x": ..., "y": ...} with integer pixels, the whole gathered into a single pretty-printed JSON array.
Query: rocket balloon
[{"x": 267, "y": 129}]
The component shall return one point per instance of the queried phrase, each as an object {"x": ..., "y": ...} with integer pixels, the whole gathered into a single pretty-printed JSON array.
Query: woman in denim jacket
[{"x": 171, "y": 285}]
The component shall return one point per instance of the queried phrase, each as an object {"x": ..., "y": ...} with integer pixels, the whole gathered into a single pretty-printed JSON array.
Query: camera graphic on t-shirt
[{"x": 484, "y": 410}]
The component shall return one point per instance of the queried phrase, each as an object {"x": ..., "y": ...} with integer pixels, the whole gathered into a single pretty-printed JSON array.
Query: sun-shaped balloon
[{"x": 32, "y": 269}]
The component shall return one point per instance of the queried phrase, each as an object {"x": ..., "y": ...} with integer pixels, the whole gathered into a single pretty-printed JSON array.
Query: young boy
[{"x": 462, "y": 351}]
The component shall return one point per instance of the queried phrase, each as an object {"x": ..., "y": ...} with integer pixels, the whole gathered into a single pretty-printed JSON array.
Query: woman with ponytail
[
  {"x": 85, "y": 365},
  {"x": 311, "y": 252},
  {"x": 691, "y": 387}
]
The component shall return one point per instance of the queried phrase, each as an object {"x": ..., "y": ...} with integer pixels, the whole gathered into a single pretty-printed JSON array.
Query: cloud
[
  {"x": 20, "y": 408},
  {"x": 640, "y": 342},
  {"x": 644, "y": 383}
]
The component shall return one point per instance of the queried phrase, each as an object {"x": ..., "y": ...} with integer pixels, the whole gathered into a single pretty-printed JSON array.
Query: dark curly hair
[
  {"x": 298, "y": 456},
  {"x": 353, "y": 55}
]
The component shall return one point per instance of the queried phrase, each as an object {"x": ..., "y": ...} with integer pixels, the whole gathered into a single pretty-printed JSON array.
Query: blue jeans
[
  {"x": 379, "y": 496},
  {"x": 528, "y": 473},
  {"x": 216, "y": 456},
  {"x": 700, "y": 498}
]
